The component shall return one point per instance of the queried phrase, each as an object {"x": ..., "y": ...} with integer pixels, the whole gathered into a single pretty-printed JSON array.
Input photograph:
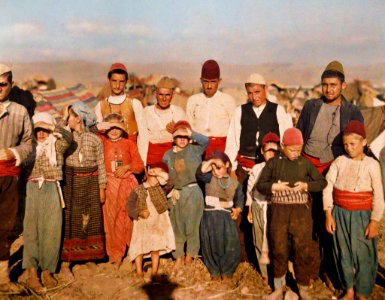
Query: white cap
[
  {"x": 256, "y": 79},
  {"x": 4, "y": 69}
]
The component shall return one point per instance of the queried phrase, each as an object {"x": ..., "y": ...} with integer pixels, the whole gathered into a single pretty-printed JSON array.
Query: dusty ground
[{"x": 102, "y": 281}]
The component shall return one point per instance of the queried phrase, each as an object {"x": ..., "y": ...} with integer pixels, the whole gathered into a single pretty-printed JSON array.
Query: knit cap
[
  {"x": 182, "y": 128},
  {"x": 270, "y": 137},
  {"x": 210, "y": 70},
  {"x": 356, "y": 127},
  {"x": 256, "y": 78},
  {"x": 117, "y": 66},
  {"x": 165, "y": 83},
  {"x": 292, "y": 137},
  {"x": 335, "y": 65}
]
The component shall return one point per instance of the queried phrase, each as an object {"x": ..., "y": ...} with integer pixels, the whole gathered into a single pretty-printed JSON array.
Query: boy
[
  {"x": 187, "y": 209},
  {"x": 354, "y": 202},
  {"x": 287, "y": 179}
]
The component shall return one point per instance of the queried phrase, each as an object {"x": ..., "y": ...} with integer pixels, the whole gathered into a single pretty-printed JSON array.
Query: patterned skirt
[{"x": 83, "y": 220}]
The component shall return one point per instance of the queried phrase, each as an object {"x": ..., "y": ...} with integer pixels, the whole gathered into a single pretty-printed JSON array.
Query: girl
[
  {"x": 84, "y": 191},
  {"x": 219, "y": 236},
  {"x": 122, "y": 160},
  {"x": 42, "y": 235},
  {"x": 152, "y": 234},
  {"x": 354, "y": 203}
]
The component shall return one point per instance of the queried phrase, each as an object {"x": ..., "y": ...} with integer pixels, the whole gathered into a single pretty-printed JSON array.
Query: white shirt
[
  {"x": 210, "y": 116},
  {"x": 137, "y": 107},
  {"x": 157, "y": 119},
  {"x": 233, "y": 137}
]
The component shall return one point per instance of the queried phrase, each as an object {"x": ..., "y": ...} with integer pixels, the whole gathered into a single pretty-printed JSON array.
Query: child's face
[
  {"x": 219, "y": 169},
  {"x": 271, "y": 151},
  {"x": 354, "y": 145},
  {"x": 41, "y": 134},
  {"x": 114, "y": 133},
  {"x": 292, "y": 152},
  {"x": 181, "y": 141},
  {"x": 73, "y": 121}
]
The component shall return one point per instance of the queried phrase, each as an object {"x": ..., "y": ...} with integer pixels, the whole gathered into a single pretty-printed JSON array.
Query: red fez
[
  {"x": 356, "y": 127},
  {"x": 117, "y": 66},
  {"x": 270, "y": 137},
  {"x": 210, "y": 70},
  {"x": 292, "y": 137}
]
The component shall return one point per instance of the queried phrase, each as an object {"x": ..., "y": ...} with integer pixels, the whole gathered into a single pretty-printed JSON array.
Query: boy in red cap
[
  {"x": 354, "y": 203},
  {"x": 287, "y": 179},
  {"x": 257, "y": 204},
  {"x": 187, "y": 198}
]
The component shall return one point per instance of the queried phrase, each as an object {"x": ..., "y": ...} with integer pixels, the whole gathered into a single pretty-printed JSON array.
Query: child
[
  {"x": 187, "y": 207},
  {"x": 84, "y": 191},
  {"x": 122, "y": 160},
  {"x": 354, "y": 202},
  {"x": 219, "y": 236},
  {"x": 152, "y": 234},
  {"x": 257, "y": 204},
  {"x": 42, "y": 235},
  {"x": 287, "y": 179}
]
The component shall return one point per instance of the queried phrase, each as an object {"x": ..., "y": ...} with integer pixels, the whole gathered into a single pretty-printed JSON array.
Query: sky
[{"x": 235, "y": 32}]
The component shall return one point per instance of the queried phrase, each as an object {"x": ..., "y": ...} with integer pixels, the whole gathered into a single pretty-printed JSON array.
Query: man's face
[
  {"x": 117, "y": 84},
  {"x": 5, "y": 87},
  {"x": 292, "y": 152},
  {"x": 163, "y": 97},
  {"x": 256, "y": 94},
  {"x": 332, "y": 89},
  {"x": 210, "y": 86}
]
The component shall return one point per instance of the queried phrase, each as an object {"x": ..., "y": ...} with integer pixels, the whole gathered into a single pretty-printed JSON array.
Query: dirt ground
[{"x": 102, "y": 281}]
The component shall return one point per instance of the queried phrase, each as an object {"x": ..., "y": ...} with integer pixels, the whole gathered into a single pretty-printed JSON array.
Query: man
[
  {"x": 160, "y": 119},
  {"x": 249, "y": 124},
  {"x": 118, "y": 102},
  {"x": 210, "y": 112},
  {"x": 322, "y": 122},
  {"x": 15, "y": 146}
]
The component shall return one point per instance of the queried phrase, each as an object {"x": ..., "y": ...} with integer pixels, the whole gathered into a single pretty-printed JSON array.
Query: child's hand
[
  {"x": 144, "y": 214},
  {"x": 300, "y": 186},
  {"x": 371, "y": 230},
  {"x": 250, "y": 216},
  {"x": 330, "y": 224},
  {"x": 235, "y": 213},
  {"x": 280, "y": 186},
  {"x": 174, "y": 195},
  {"x": 102, "y": 193},
  {"x": 170, "y": 126},
  {"x": 121, "y": 171}
]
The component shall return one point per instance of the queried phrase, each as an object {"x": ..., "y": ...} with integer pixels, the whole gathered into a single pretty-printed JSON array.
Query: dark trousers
[
  {"x": 9, "y": 203},
  {"x": 294, "y": 221}
]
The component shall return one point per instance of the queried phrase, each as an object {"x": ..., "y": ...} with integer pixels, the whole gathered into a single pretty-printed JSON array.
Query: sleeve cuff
[{"x": 17, "y": 156}]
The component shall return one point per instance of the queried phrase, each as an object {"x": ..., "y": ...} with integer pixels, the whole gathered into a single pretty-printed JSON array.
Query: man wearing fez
[
  {"x": 15, "y": 146},
  {"x": 210, "y": 112}
]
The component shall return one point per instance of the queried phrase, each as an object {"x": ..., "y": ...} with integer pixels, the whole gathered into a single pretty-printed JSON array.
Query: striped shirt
[
  {"x": 16, "y": 130},
  {"x": 41, "y": 166},
  {"x": 87, "y": 150}
]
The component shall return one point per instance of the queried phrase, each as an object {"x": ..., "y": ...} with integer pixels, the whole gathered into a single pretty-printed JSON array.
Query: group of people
[{"x": 157, "y": 179}]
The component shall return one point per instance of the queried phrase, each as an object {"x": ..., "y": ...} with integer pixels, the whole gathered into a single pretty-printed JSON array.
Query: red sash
[
  {"x": 322, "y": 168},
  {"x": 155, "y": 154},
  {"x": 215, "y": 143},
  {"x": 245, "y": 162},
  {"x": 8, "y": 168},
  {"x": 353, "y": 200}
]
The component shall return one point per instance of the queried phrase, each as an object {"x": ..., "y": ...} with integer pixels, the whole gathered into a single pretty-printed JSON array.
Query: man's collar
[{"x": 117, "y": 99}]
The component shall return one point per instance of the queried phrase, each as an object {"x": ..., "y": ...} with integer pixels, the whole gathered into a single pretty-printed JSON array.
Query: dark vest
[
  {"x": 250, "y": 125},
  {"x": 214, "y": 189}
]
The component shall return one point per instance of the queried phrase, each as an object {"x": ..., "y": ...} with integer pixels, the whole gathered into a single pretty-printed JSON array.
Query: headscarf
[{"x": 87, "y": 115}]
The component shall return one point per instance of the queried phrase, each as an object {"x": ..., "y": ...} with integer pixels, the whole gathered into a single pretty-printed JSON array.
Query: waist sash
[
  {"x": 353, "y": 200},
  {"x": 8, "y": 168},
  {"x": 215, "y": 143},
  {"x": 245, "y": 162},
  {"x": 156, "y": 152}
]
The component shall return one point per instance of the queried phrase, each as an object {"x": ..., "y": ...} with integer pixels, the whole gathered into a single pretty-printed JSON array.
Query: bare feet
[
  {"x": 349, "y": 295},
  {"x": 48, "y": 280},
  {"x": 361, "y": 297},
  {"x": 65, "y": 272},
  {"x": 188, "y": 260},
  {"x": 33, "y": 281},
  {"x": 290, "y": 295},
  {"x": 216, "y": 278},
  {"x": 276, "y": 295}
]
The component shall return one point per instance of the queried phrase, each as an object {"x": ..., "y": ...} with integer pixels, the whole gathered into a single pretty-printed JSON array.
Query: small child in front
[
  {"x": 258, "y": 204},
  {"x": 287, "y": 179},
  {"x": 187, "y": 208},
  {"x": 224, "y": 202},
  {"x": 152, "y": 234},
  {"x": 354, "y": 203}
]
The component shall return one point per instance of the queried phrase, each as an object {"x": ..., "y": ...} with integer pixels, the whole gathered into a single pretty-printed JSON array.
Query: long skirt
[
  {"x": 42, "y": 226},
  {"x": 83, "y": 222},
  {"x": 221, "y": 249},
  {"x": 117, "y": 223},
  {"x": 152, "y": 234},
  {"x": 355, "y": 255}
]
